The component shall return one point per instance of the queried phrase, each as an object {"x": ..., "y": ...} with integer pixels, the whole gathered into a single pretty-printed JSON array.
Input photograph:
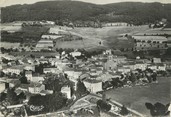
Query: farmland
[{"x": 136, "y": 97}]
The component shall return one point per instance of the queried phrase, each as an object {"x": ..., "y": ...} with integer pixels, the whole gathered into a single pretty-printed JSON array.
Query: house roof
[{"x": 92, "y": 80}]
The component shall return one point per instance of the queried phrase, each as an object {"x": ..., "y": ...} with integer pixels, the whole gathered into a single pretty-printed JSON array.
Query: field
[
  {"x": 22, "y": 34},
  {"x": 136, "y": 97},
  {"x": 10, "y": 27},
  {"x": 76, "y": 44},
  {"x": 109, "y": 35}
]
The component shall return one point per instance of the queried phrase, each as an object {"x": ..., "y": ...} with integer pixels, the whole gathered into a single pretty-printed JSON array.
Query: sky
[{"x": 4, "y": 3}]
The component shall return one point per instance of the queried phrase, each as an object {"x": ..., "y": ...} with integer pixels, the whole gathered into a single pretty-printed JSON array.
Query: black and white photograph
[{"x": 85, "y": 58}]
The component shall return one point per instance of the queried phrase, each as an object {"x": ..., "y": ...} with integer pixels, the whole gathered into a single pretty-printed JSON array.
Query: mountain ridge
[{"x": 136, "y": 12}]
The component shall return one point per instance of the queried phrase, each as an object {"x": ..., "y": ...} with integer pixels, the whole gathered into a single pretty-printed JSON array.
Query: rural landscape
[{"x": 69, "y": 58}]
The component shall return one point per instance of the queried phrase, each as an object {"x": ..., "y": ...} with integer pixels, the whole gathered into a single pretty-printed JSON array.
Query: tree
[
  {"x": 23, "y": 80},
  {"x": 12, "y": 96},
  {"x": 158, "y": 109},
  {"x": 81, "y": 89},
  {"x": 2, "y": 74},
  {"x": 124, "y": 110},
  {"x": 2, "y": 96},
  {"x": 132, "y": 78},
  {"x": 50, "y": 103},
  {"x": 103, "y": 106}
]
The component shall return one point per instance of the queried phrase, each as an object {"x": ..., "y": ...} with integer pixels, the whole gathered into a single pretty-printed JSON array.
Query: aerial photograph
[{"x": 85, "y": 58}]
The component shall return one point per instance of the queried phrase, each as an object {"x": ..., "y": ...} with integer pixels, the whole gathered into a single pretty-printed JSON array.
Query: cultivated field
[{"x": 136, "y": 97}]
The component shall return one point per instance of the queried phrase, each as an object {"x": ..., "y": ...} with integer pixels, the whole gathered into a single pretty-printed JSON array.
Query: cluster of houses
[{"x": 92, "y": 72}]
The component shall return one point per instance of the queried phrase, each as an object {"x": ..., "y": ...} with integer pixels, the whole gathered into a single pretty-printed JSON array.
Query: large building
[
  {"x": 149, "y": 42},
  {"x": 36, "y": 88},
  {"x": 93, "y": 85},
  {"x": 43, "y": 43}
]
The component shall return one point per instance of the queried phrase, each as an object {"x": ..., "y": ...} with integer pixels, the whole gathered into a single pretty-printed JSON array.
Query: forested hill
[{"x": 74, "y": 10}]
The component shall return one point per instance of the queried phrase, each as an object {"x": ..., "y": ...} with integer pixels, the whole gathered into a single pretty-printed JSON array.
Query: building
[
  {"x": 13, "y": 70},
  {"x": 140, "y": 65},
  {"x": 93, "y": 85},
  {"x": 51, "y": 70},
  {"x": 156, "y": 60},
  {"x": 51, "y": 36},
  {"x": 119, "y": 59},
  {"x": 157, "y": 67},
  {"x": 124, "y": 69},
  {"x": 105, "y": 77},
  {"x": 28, "y": 75},
  {"x": 66, "y": 91},
  {"x": 129, "y": 65},
  {"x": 73, "y": 74},
  {"x": 29, "y": 67},
  {"x": 2, "y": 87},
  {"x": 110, "y": 64},
  {"x": 57, "y": 30},
  {"x": 34, "y": 78},
  {"x": 149, "y": 42},
  {"x": 44, "y": 44},
  {"x": 74, "y": 54},
  {"x": 36, "y": 88}
]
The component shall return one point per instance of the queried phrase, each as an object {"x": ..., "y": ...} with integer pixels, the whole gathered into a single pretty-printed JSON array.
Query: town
[{"x": 54, "y": 70}]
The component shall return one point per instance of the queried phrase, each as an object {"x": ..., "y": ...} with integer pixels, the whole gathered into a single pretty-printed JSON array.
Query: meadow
[
  {"x": 136, "y": 97},
  {"x": 109, "y": 35}
]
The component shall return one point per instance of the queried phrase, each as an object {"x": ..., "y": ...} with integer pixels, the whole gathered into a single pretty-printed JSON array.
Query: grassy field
[
  {"x": 109, "y": 35},
  {"x": 76, "y": 44},
  {"x": 136, "y": 97},
  {"x": 9, "y": 27}
]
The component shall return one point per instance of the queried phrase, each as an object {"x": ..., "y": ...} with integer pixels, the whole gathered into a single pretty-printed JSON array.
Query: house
[
  {"x": 66, "y": 91},
  {"x": 28, "y": 75},
  {"x": 129, "y": 65},
  {"x": 44, "y": 43},
  {"x": 37, "y": 78},
  {"x": 2, "y": 87},
  {"x": 156, "y": 60},
  {"x": 29, "y": 67},
  {"x": 93, "y": 85},
  {"x": 157, "y": 67},
  {"x": 51, "y": 36},
  {"x": 36, "y": 88},
  {"x": 57, "y": 30},
  {"x": 13, "y": 83},
  {"x": 140, "y": 65},
  {"x": 73, "y": 74},
  {"x": 105, "y": 77},
  {"x": 124, "y": 69},
  {"x": 51, "y": 70},
  {"x": 74, "y": 54},
  {"x": 161, "y": 67},
  {"x": 13, "y": 70},
  {"x": 152, "y": 66},
  {"x": 119, "y": 59},
  {"x": 108, "y": 52}
]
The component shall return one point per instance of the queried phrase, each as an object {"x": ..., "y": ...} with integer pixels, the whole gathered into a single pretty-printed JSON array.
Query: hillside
[{"x": 135, "y": 12}]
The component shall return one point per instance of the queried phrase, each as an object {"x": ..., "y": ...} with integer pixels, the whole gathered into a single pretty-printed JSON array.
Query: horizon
[{"x": 5, "y": 3}]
